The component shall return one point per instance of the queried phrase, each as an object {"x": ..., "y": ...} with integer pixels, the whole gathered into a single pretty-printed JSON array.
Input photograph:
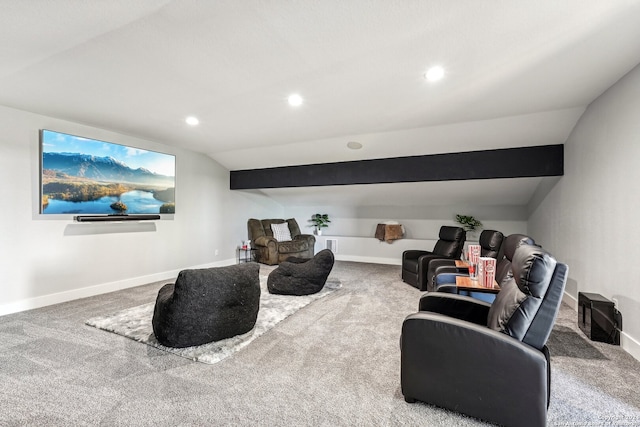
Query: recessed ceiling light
[
  {"x": 191, "y": 120},
  {"x": 295, "y": 100},
  {"x": 354, "y": 145},
  {"x": 434, "y": 74}
]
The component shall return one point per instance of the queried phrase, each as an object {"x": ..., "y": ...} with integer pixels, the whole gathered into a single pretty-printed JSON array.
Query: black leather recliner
[
  {"x": 490, "y": 246},
  {"x": 415, "y": 263},
  {"x": 485, "y": 360},
  {"x": 446, "y": 282},
  {"x": 511, "y": 243}
]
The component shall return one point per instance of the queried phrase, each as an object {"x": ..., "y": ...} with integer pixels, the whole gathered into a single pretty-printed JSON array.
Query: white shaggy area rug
[{"x": 135, "y": 323}]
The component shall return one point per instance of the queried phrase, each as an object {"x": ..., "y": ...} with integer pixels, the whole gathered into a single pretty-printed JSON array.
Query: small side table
[
  {"x": 245, "y": 255},
  {"x": 464, "y": 283}
]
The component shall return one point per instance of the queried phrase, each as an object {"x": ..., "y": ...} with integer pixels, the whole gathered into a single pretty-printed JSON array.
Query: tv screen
[{"x": 86, "y": 176}]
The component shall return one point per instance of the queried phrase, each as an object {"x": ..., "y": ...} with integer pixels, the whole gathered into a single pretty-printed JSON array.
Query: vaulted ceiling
[{"x": 516, "y": 74}]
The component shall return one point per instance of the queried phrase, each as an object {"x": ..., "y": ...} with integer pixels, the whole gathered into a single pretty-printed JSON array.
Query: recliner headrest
[
  {"x": 512, "y": 242},
  {"x": 532, "y": 269},
  {"x": 451, "y": 234},
  {"x": 491, "y": 241}
]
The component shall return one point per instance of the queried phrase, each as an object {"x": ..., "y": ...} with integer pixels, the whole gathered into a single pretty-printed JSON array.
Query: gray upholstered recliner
[
  {"x": 488, "y": 361},
  {"x": 271, "y": 251}
]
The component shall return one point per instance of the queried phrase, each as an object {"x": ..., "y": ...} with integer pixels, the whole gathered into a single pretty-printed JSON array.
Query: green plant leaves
[
  {"x": 320, "y": 220},
  {"x": 468, "y": 222}
]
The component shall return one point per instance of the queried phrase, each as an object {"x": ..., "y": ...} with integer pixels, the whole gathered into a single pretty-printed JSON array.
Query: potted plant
[
  {"x": 469, "y": 223},
  {"x": 319, "y": 221}
]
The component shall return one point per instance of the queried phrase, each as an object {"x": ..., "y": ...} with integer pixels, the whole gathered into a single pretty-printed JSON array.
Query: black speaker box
[{"x": 598, "y": 318}]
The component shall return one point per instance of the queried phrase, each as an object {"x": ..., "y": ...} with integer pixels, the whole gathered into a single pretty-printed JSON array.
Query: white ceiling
[{"x": 518, "y": 73}]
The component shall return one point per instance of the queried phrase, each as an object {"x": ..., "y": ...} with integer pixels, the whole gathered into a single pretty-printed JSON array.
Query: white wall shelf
[{"x": 370, "y": 249}]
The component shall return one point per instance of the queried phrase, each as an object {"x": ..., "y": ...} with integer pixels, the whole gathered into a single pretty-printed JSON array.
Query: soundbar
[{"x": 118, "y": 217}]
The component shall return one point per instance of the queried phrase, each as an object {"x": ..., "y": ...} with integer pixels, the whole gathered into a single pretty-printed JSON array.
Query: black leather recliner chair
[
  {"x": 415, "y": 263},
  {"x": 511, "y": 243},
  {"x": 490, "y": 246},
  {"x": 446, "y": 282},
  {"x": 485, "y": 360}
]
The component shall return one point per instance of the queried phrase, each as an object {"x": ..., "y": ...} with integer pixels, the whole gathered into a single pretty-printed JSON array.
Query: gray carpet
[
  {"x": 135, "y": 323},
  {"x": 335, "y": 362}
]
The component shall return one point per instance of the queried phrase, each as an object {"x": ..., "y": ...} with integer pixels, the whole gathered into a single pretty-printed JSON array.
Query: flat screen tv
[{"x": 85, "y": 176}]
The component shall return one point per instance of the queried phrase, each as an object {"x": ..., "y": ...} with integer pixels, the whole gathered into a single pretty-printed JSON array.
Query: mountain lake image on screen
[{"x": 86, "y": 176}]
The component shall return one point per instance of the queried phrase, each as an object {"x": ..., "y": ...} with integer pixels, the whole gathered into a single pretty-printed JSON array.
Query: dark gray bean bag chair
[
  {"x": 206, "y": 305},
  {"x": 301, "y": 276}
]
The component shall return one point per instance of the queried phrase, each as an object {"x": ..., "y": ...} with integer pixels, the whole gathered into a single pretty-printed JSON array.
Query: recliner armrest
[
  {"x": 457, "y": 306},
  {"x": 473, "y": 369},
  {"x": 309, "y": 238},
  {"x": 425, "y": 259},
  {"x": 441, "y": 266},
  {"x": 264, "y": 241},
  {"x": 414, "y": 253},
  {"x": 449, "y": 269}
]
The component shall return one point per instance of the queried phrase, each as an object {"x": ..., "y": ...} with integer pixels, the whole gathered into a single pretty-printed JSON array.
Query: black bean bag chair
[
  {"x": 206, "y": 305},
  {"x": 301, "y": 276}
]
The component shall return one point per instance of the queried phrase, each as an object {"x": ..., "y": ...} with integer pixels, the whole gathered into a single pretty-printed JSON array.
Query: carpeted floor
[
  {"x": 335, "y": 362},
  {"x": 136, "y": 323}
]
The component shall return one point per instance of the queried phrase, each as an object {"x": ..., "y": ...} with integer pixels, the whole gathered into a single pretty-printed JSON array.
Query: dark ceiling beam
[{"x": 546, "y": 160}]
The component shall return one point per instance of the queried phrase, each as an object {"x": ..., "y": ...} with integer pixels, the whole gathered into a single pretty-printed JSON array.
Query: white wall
[
  {"x": 45, "y": 260},
  {"x": 354, "y": 227},
  {"x": 590, "y": 218},
  {"x": 50, "y": 259},
  {"x": 251, "y": 204}
]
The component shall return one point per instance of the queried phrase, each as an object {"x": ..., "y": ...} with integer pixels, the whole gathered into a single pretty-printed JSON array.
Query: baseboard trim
[
  {"x": 370, "y": 260},
  {"x": 630, "y": 345},
  {"x": 103, "y": 288},
  {"x": 570, "y": 300}
]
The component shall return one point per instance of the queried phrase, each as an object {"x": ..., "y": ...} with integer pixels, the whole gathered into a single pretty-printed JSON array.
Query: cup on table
[
  {"x": 474, "y": 253},
  {"x": 473, "y": 271}
]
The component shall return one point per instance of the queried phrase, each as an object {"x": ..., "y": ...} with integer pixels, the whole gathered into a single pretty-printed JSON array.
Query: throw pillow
[
  {"x": 281, "y": 232},
  {"x": 506, "y": 303}
]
